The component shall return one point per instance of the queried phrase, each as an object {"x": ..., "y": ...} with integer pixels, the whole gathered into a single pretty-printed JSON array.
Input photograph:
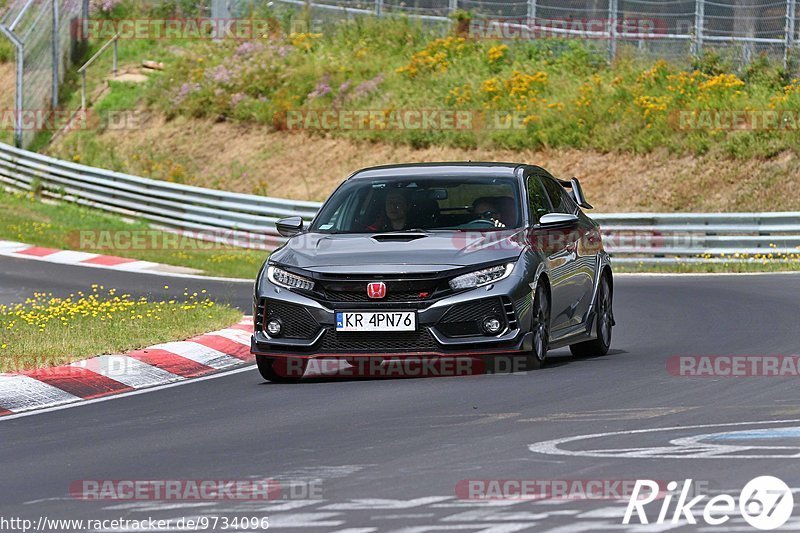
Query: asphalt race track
[
  {"x": 20, "y": 278},
  {"x": 388, "y": 454}
]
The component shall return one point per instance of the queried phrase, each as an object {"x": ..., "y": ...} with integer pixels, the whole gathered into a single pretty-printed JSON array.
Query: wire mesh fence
[
  {"x": 42, "y": 35},
  {"x": 739, "y": 29}
]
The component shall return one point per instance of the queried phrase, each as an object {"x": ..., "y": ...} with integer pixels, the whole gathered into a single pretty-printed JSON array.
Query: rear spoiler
[{"x": 576, "y": 192}]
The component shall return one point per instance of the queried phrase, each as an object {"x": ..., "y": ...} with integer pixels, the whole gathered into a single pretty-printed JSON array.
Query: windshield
[{"x": 367, "y": 206}]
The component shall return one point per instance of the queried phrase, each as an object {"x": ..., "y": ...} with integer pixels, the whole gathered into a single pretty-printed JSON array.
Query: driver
[
  {"x": 395, "y": 215},
  {"x": 485, "y": 209}
]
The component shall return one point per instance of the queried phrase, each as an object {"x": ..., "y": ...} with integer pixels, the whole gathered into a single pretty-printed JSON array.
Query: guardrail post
[
  {"x": 453, "y": 7},
  {"x": 378, "y": 8},
  {"x": 613, "y": 13},
  {"x": 791, "y": 9},
  {"x": 699, "y": 16}
]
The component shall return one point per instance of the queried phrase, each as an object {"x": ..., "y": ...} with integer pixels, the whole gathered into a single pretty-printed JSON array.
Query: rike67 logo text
[{"x": 765, "y": 503}]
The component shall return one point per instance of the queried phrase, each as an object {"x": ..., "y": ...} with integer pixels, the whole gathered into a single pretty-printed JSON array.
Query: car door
[
  {"x": 576, "y": 263},
  {"x": 553, "y": 247}
]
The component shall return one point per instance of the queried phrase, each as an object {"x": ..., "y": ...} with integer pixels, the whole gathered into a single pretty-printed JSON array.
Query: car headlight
[
  {"x": 481, "y": 277},
  {"x": 287, "y": 279}
]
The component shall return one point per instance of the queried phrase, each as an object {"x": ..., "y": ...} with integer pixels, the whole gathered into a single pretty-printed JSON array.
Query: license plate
[{"x": 376, "y": 321}]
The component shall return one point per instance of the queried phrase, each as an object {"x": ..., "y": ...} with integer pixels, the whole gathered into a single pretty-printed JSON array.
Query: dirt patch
[
  {"x": 130, "y": 77},
  {"x": 254, "y": 159}
]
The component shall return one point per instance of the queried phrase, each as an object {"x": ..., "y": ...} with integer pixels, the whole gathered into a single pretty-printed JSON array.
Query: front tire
[
  {"x": 282, "y": 370},
  {"x": 603, "y": 325},
  {"x": 540, "y": 328}
]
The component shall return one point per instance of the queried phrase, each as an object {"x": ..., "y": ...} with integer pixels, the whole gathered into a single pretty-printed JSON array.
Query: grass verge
[
  {"x": 25, "y": 219},
  {"x": 46, "y": 331}
]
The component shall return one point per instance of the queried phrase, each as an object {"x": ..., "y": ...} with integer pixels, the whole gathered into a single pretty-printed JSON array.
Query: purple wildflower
[
  {"x": 185, "y": 90},
  {"x": 366, "y": 87},
  {"x": 322, "y": 88},
  {"x": 283, "y": 50},
  {"x": 103, "y": 6},
  {"x": 249, "y": 47},
  {"x": 219, "y": 74},
  {"x": 236, "y": 98}
]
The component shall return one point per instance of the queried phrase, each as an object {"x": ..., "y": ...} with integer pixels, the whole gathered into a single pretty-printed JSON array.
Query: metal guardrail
[
  {"x": 205, "y": 212},
  {"x": 249, "y": 220}
]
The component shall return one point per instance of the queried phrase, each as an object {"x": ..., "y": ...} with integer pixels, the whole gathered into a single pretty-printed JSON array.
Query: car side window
[
  {"x": 558, "y": 196},
  {"x": 538, "y": 204}
]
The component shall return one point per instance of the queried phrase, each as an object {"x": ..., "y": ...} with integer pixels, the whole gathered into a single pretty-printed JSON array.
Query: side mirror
[
  {"x": 289, "y": 227},
  {"x": 558, "y": 220},
  {"x": 577, "y": 192}
]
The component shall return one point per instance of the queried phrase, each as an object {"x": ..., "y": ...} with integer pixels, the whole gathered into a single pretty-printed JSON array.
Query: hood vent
[{"x": 398, "y": 237}]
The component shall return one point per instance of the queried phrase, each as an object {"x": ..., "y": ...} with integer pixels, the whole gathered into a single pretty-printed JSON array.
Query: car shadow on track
[{"x": 366, "y": 369}]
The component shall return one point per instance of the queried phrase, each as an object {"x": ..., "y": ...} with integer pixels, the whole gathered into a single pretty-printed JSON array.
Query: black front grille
[
  {"x": 361, "y": 296},
  {"x": 297, "y": 321},
  {"x": 464, "y": 320},
  {"x": 399, "y": 287},
  {"x": 396, "y": 341}
]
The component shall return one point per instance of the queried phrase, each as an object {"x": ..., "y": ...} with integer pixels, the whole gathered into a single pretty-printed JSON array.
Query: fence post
[
  {"x": 56, "y": 54},
  {"x": 18, "y": 102},
  {"x": 453, "y": 7},
  {"x": 613, "y": 8},
  {"x": 532, "y": 13},
  {"x": 85, "y": 9},
  {"x": 699, "y": 16},
  {"x": 83, "y": 90},
  {"x": 378, "y": 8},
  {"x": 20, "y": 58},
  {"x": 791, "y": 9}
]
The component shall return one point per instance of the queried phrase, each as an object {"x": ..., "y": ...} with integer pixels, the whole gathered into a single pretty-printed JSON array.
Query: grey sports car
[{"x": 436, "y": 260}]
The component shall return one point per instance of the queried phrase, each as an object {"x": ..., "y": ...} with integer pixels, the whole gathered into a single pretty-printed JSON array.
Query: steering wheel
[{"x": 480, "y": 222}]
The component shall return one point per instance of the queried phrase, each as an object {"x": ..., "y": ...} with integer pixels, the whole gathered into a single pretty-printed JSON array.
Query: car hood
[{"x": 322, "y": 252}]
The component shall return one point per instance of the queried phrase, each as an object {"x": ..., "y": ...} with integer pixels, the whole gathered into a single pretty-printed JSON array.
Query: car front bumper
[{"x": 446, "y": 327}]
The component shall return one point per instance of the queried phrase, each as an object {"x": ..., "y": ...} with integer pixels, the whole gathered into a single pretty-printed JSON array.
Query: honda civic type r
[{"x": 435, "y": 260}]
